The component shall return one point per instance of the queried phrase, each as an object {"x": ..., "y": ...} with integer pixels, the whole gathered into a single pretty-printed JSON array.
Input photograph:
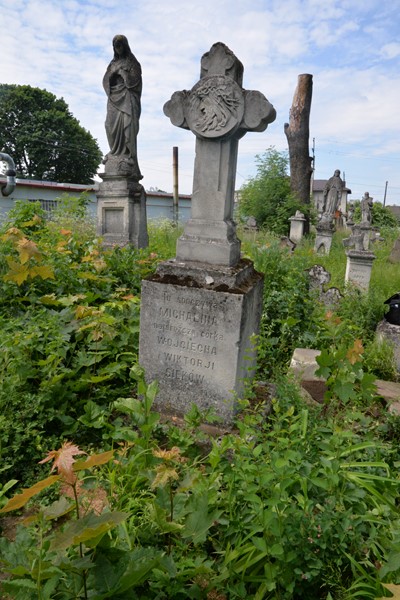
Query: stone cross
[
  {"x": 359, "y": 239},
  {"x": 219, "y": 112}
]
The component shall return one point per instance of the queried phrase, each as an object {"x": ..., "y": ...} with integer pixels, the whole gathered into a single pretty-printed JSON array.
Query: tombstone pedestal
[
  {"x": 196, "y": 328},
  {"x": 323, "y": 240},
  {"x": 212, "y": 242},
  {"x": 297, "y": 227},
  {"x": 359, "y": 267},
  {"x": 121, "y": 212}
]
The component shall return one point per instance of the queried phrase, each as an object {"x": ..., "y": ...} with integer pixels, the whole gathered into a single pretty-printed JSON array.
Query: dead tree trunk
[{"x": 297, "y": 132}]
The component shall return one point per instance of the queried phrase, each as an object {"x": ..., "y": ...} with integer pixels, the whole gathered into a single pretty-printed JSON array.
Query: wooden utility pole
[
  {"x": 297, "y": 132},
  {"x": 384, "y": 197},
  {"x": 175, "y": 184}
]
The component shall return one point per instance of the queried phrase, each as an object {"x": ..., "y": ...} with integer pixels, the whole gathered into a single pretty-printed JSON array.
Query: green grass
[{"x": 302, "y": 503}]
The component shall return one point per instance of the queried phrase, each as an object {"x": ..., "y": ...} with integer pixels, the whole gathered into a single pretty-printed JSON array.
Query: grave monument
[
  {"x": 297, "y": 227},
  {"x": 359, "y": 255},
  {"x": 121, "y": 199},
  {"x": 332, "y": 196},
  {"x": 200, "y": 310}
]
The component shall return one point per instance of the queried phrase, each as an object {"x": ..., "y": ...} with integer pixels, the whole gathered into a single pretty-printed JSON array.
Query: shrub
[{"x": 267, "y": 196}]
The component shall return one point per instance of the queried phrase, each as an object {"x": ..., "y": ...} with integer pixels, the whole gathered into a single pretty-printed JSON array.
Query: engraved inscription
[
  {"x": 186, "y": 361},
  {"x": 185, "y": 315},
  {"x": 183, "y": 375},
  {"x": 187, "y": 345},
  {"x": 188, "y": 331}
]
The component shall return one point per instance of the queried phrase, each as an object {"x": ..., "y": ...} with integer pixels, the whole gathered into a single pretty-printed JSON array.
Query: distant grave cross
[{"x": 219, "y": 112}]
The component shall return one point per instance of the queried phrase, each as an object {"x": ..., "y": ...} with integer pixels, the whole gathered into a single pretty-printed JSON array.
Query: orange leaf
[
  {"x": 355, "y": 352},
  {"x": 173, "y": 454},
  {"x": 94, "y": 460},
  {"x": 63, "y": 460},
  {"x": 27, "y": 250},
  {"x": 12, "y": 234},
  {"x": 21, "y": 499},
  {"x": 395, "y": 589},
  {"x": 332, "y": 318}
]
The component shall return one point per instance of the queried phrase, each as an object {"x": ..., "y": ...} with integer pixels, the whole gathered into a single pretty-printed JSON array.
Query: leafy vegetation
[
  {"x": 381, "y": 215},
  {"x": 43, "y": 137},
  {"x": 297, "y": 501},
  {"x": 267, "y": 196}
]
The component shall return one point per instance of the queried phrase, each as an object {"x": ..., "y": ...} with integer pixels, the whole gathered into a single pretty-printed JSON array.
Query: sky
[{"x": 351, "y": 47}]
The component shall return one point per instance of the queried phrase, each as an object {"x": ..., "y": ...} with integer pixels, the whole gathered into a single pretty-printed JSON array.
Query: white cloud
[
  {"x": 390, "y": 51},
  {"x": 350, "y": 46}
]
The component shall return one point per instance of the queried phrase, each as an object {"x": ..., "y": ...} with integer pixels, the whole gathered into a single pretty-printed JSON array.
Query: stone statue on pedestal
[
  {"x": 121, "y": 199},
  {"x": 122, "y": 83},
  {"x": 332, "y": 197},
  {"x": 366, "y": 208}
]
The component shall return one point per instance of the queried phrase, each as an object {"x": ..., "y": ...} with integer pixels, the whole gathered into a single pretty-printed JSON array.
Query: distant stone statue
[
  {"x": 122, "y": 83},
  {"x": 366, "y": 208},
  {"x": 350, "y": 215},
  {"x": 333, "y": 193}
]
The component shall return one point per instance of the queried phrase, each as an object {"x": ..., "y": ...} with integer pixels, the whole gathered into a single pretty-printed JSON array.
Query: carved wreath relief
[{"x": 215, "y": 106}]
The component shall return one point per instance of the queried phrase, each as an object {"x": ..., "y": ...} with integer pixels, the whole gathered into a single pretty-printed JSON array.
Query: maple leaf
[
  {"x": 18, "y": 273},
  {"x": 173, "y": 454},
  {"x": 34, "y": 221},
  {"x": 82, "y": 311},
  {"x": 44, "y": 272},
  {"x": 332, "y": 318},
  {"x": 354, "y": 353},
  {"x": 99, "y": 264},
  {"x": 61, "y": 245},
  {"x": 27, "y": 250},
  {"x": 164, "y": 475},
  {"x": 63, "y": 460},
  {"x": 12, "y": 234}
]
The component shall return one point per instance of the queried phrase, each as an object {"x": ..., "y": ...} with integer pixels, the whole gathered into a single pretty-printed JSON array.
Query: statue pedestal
[
  {"x": 359, "y": 267},
  {"x": 196, "y": 328},
  {"x": 323, "y": 240},
  {"x": 121, "y": 212},
  {"x": 297, "y": 227}
]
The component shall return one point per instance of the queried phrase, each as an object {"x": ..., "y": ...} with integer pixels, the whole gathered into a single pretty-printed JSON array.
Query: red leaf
[{"x": 63, "y": 460}]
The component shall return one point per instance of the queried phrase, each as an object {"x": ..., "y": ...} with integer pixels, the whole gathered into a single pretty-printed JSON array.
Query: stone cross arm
[
  {"x": 217, "y": 107},
  {"x": 257, "y": 113}
]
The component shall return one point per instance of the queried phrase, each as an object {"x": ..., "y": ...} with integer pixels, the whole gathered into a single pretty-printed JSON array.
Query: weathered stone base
[
  {"x": 297, "y": 223},
  {"x": 195, "y": 334},
  {"x": 359, "y": 267},
  {"x": 121, "y": 212},
  {"x": 323, "y": 241},
  {"x": 391, "y": 334},
  {"x": 211, "y": 242}
]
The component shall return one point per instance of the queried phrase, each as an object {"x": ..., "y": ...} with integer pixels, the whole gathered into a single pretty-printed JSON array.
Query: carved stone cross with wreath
[{"x": 219, "y": 112}]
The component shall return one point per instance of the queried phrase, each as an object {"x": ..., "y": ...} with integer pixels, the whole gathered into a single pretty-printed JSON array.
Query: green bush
[
  {"x": 70, "y": 324},
  {"x": 381, "y": 215},
  {"x": 296, "y": 506},
  {"x": 267, "y": 196},
  {"x": 296, "y": 501}
]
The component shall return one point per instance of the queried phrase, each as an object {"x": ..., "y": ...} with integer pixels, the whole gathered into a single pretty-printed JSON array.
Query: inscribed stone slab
[{"x": 195, "y": 342}]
